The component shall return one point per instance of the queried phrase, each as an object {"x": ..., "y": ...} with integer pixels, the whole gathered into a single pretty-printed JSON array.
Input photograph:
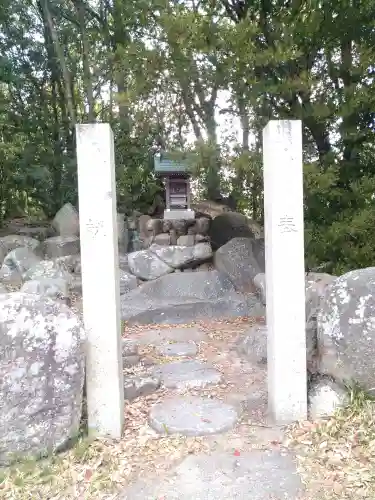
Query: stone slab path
[{"x": 214, "y": 403}]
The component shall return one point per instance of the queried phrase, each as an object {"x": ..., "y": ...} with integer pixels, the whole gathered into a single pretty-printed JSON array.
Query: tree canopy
[{"x": 163, "y": 73}]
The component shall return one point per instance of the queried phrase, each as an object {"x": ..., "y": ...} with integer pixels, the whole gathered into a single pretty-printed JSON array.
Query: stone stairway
[{"x": 200, "y": 387}]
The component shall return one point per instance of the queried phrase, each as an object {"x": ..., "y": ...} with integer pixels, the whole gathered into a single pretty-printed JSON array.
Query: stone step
[
  {"x": 187, "y": 374},
  {"x": 177, "y": 349},
  {"x": 192, "y": 416},
  {"x": 257, "y": 475}
]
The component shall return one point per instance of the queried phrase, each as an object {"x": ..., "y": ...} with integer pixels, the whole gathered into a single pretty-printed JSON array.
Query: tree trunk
[
  {"x": 60, "y": 56},
  {"x": 80, "y": 9}
]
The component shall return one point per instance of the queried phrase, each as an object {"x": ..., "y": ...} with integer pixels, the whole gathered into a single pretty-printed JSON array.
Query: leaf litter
[{"x": 336, "y": 456}]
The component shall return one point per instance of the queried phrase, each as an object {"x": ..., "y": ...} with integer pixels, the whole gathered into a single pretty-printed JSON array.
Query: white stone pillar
[
  {"x": 285, "y": 270},
  {"x": 100, "y": 279}
]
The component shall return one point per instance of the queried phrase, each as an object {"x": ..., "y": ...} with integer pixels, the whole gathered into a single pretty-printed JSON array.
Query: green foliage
[{"x": 160, "y": 71}]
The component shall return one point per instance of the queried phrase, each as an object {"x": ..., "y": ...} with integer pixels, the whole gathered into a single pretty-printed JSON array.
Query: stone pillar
[
  {"x": 285, "y": 270},
  {"x": 100, "y": 279}
]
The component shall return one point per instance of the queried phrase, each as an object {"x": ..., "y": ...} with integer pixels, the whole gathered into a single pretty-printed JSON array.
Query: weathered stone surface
[
  {"x": 66, "y": 221},
  {"x": 59, "y": 246},
  {"x": 181, "y": 226},
  {"x": 129, "y": 347},
  {"x": 38, "y": 232},
  {"x": 54, "y": 288},
  {"x": 164, "y": 312},
  {"x": 163, "y": 239},
  {"x": 71, "y": 262},
  {"x": 129, "y": 361},
  {"x": 346, "y": 328},
  {"x": 157, "y": 337},
  {"x": 181, "y": 256},
  {"x": 75, "y": 285},
  {"x": 187, "y": 374},
  {"x": 142, "y": 385},
  {"x": 145, "y": 225},
  {"x": 146, "y": 265},
  {"x": 127, "y": 282},
  {"x": 192, "y": 416},
  {"x": 229, "y": 225},
  {"x": 202, "y": 252},
  {"x": 325, "y": 397},
  {"x": 41, "y": 375},
  {"x": 123, "y": 262},
  {"x": 253, "y": 344},
  {"x": 174, "y": 237},
  {"x": 48, "y": 269},
  {"x": 12, "y": 241},
  {"x": 256, "y": 475},
  {"x": 10, "y": 276},
  {"x": 155, "y": 226},
  {"x": 202, "y": 225},
  {"x": 178, "y": 349},
  {"x": 185, "y": 297},
  {"x": 3, "y": 288},
  {"x": 199, "y": 286},
  {"x": 206, "y": 266},
  {"x": 3, "y": 254},
  {"x": 260, "y": 286},
  {"x": 315, "y": 285},
  {"x": 187, "y": 240},
  {"x": 21, "y": 259},
  {"x": 200, "y": 238},
  {"x": 237, "y": 260},
  {"x": 166, "y": 225}
]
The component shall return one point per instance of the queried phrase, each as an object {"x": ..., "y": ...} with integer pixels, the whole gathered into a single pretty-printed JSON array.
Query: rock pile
[
  {"x": 173, "y": 232},
  {"x": 157, "y": 283}
]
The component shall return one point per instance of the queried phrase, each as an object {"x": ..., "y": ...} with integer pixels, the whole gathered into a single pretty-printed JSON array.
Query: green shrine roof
[{"x": 169, "y": 163}]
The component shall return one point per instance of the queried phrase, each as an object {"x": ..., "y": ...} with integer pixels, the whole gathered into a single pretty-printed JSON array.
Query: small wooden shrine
[{"x": 176, "y": 177}]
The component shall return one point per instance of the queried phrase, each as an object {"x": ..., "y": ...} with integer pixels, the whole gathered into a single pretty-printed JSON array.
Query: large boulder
[
  {"x": 238, "y": 259},
  {"x": 146, "y": 265},
  {"x": 21, "y": 259},
  {"x": 178, "y": 256},
  {"x": 12, "y": 241},
  {"x": 51, "y": 269},
  {"x": 41, "y": 375},
  {"x": 229, "y": 225},
  {"x": 160, "y": 260},
  {"x": 66, "y": 221},
  {"x": 315, "y": 284},
  {"x": 127, "y": 282},
  {"x": 253, "y": 344},
  {"x": 54, "y": 288},
  {"x": 346, "y": 329},
  {"x": 185, "y": 297},
  {"x": 61, "y": 246},
  {"x": 38, "y": 232}
]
